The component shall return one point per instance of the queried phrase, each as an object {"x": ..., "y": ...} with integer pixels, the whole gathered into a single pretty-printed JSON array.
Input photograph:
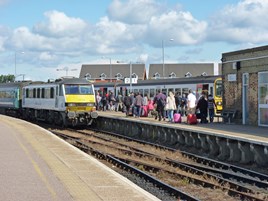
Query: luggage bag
[
  {"x": 177, "y": 118},
  {"x": 191, "y": 119}
]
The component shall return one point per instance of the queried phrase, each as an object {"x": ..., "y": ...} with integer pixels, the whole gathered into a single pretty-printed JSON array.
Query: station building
[{"x": 245, "y": 81}]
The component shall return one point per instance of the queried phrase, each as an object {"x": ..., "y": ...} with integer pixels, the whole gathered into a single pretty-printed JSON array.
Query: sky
[{"x": 47, "y": 39}]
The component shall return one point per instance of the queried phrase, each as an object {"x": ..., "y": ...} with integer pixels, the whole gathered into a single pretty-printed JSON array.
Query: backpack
[{"x": 161, "y": 102}]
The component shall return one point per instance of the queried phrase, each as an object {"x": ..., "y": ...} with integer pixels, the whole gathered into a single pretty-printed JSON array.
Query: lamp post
[
  {"x": 110, "y": 67},
  {"x": 163, "y": 55},
  {"x": 130, "y": 76},
  {"x": 15, "y": 62}
]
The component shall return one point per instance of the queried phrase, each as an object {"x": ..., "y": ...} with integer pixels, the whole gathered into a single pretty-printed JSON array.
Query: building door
[
  {"x": 263, "y": 98},
  {"x": 245, "y": 98}
]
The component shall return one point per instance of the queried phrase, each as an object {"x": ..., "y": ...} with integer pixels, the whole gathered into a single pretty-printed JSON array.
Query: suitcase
[
  {"x": 144, "y": 111},
  {"x": 177, "y": 118},
  {"x": 191, "y": 119}
]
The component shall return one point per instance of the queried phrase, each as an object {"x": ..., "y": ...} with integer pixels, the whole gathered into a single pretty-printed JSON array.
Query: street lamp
[
  {"x": 15, "y": 61},
  {"x": 130, "y": 76},
  {"x": 66, "y": 69},
  {"x": 163, "y": 55}
]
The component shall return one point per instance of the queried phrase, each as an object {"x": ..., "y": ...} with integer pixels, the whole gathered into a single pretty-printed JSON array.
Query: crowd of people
[{"x": 162, "y": 106}]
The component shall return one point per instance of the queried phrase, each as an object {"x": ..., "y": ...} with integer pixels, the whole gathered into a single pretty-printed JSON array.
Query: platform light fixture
[{"x": 163, "y": 55}]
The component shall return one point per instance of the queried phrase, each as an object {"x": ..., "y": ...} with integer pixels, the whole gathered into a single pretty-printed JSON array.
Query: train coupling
[{"x": 94, "y": 115}]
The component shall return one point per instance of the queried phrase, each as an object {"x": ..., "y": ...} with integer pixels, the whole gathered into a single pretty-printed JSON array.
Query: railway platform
[
  {"x": 37, "y": 165},
  {"x": 226, "y": 142}
]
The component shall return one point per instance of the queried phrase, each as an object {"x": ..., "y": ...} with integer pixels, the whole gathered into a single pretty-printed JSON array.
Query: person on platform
[
  {"x": 211, "y": 108},
  {"x": 202, "y": 105},
  {"x": 160, "y": 101},
  {"x": 127, "y": 103},
  {"x": 137, "y": 104},
  {"x": 191, "y": 102},
  {"x": 170, "y": 106}
]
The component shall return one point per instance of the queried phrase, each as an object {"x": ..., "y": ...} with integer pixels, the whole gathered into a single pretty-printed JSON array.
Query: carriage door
[{"x": 245, "y": 98}]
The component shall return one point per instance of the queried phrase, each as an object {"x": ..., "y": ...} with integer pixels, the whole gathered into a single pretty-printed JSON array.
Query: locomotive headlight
[
  {"x": 90, "y": 104},
  {"x": 219, "y": 103},
  {"x": 71, "y": 104}
]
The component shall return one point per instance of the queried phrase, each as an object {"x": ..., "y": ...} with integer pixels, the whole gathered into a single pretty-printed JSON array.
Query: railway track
[{"x": 209, "y": 174}]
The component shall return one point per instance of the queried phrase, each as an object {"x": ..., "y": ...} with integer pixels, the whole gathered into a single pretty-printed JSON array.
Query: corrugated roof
[
  {"x": 196, "y": 69},
  {"x": 95, "y": 70}
]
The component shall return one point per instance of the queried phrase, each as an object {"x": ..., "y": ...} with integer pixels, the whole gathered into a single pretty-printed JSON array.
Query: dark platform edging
[{"x": 216, "y": 146}]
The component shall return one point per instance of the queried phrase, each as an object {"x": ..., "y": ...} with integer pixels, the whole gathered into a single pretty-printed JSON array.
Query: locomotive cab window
[{"x": 78, "y": 89}]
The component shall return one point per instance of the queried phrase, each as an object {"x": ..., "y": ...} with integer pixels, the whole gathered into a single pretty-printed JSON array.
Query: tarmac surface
[{"x": 38, "y": 166}]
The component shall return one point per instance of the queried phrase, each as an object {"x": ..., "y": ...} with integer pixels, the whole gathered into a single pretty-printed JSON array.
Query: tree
[{"x": 7, "y": 78}]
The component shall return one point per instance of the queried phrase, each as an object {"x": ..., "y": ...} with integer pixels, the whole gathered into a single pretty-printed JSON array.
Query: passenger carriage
[{"x": 208, "y": 84}]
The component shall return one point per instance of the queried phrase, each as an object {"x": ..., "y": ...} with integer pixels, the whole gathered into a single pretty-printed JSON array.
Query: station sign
[{"x": 133, "y": 81}]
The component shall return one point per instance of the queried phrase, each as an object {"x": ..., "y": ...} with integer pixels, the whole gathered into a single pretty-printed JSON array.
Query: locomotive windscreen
[{"x": 79, "y": 89}]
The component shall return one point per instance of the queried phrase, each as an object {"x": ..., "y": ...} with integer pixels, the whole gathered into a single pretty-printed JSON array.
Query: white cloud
[
  {"x": 46, "y": 56},
  {"x": 23, "y": 38},
  {"x": 60, "y": 25},
  {"x": 134, "y": 11},
  {"x": 241, "y": 23},
  {"x": 181, "y": 26}
]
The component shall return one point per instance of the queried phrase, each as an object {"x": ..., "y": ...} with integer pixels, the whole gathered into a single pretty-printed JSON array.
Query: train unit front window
[
  {"x": 79, "y": 89},
  {"x": 218, "y": 88}
]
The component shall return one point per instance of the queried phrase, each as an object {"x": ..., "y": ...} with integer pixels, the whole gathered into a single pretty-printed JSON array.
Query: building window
[
  {"x": 87, "y": 76},
  {"x": 134, "y": 75},
  {"x": 204, "y": 74},
  {"x": 103, "y": 76},
  {"x": 188, "y": 74},
  {"x": 156, "y": 75},
  {"x": 119, "y": 76},
  {"x": 172, "y": 75}
]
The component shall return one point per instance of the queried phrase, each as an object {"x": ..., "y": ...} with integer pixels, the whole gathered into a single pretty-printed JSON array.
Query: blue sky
[{"x": 66, "y": 34}]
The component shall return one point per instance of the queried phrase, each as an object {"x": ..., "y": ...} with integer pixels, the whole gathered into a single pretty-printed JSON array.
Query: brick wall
[{"x": 232, "y": 94}]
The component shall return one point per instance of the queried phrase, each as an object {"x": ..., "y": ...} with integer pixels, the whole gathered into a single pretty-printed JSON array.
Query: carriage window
[
  {"x": 38, "y": 93},
  {"x": 171, "y": 91},
  {"x": 152, "y": 93},
  {"x": 146, "y": 91},
  {"x": 34, "y": 93},
  {"x": 47, "y": 92},
  {"x": 141, "y": 91},
  {"x": 52, "y": 92},
  {"x": 185, "y": 91},
  {"x": 178, "y": 90},
  {"x": 43, "y": 93},
  {"x": 31, "y": 93},
  {"x": 164, "y": 91},
  {"x": 135, "y": 91},
  {"x": 27, "y": 93}
]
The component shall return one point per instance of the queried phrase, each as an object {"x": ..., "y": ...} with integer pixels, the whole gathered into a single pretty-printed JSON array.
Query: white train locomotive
[{"x": 67, "y": 101}]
